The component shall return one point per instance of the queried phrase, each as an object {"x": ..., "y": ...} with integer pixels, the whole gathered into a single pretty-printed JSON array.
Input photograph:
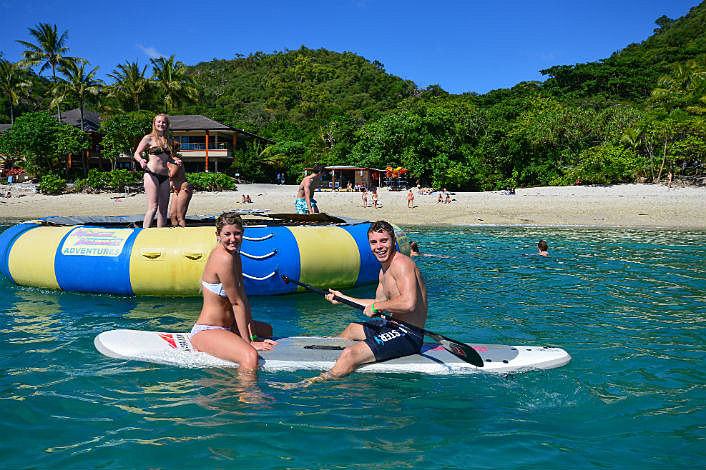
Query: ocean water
[{"x": 628, "y": 305}]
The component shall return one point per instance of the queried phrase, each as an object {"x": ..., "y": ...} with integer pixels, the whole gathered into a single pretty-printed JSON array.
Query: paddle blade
[{"x": 461, "y": 351}]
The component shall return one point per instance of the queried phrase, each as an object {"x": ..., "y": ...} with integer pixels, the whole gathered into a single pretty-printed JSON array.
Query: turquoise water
[{"x": 628, "y": 305}]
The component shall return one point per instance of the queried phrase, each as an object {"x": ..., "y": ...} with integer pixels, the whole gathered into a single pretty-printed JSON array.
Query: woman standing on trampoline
[{"x": 160, "y": 150}]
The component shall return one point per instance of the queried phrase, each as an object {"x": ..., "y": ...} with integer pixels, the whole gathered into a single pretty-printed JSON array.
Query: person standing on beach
[
  {"x": 365, "y": 197},
  {"x": 375, "y": 198},
  {"x": 410, "y": 199},
  {"x": 401, "y": 293},
  {"x": 305, "y": 204},
  {"x": 543, "y": 248},
  {"x": 159, "y": 148}
]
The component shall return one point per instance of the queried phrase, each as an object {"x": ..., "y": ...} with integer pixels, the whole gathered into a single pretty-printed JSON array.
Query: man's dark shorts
[{"x": 388, "y": 339}]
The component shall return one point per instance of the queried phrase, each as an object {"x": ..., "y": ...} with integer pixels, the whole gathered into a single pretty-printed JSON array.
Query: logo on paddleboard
[
  {"x": 176, "y": 341},
  {"x": 169, "y": 338}
]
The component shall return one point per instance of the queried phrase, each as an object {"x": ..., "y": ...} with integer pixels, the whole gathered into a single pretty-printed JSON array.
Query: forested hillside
[{"x": 631, "y": 117}]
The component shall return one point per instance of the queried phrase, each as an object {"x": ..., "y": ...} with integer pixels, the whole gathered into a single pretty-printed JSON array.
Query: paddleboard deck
[{"x": 320, "y": 353}]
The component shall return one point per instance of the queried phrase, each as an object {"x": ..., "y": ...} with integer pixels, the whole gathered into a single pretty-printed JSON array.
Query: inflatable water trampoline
[{"x": 112, "y": 255}]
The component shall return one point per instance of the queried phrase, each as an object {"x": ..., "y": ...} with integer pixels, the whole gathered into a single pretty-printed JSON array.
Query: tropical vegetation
[{"x": 633, "y": 116}]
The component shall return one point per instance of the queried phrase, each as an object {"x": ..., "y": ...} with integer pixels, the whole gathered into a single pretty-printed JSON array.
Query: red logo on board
[{"x": 169, "y": 338}]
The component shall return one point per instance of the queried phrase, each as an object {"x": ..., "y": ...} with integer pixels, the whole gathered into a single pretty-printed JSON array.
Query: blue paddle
[{"x": 458, "y": 349}]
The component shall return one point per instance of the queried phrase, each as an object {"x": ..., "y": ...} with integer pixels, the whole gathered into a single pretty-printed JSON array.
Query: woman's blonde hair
[{"x": 166, "y": 140}]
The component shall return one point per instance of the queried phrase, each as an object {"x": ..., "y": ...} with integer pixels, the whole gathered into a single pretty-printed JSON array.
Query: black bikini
[
  {"x": 157, "y": 151},
  {"x": 160, "y": 178}
]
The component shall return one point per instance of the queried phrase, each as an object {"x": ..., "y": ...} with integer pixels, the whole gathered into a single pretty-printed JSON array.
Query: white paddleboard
[{"x": 320, "y": 353}]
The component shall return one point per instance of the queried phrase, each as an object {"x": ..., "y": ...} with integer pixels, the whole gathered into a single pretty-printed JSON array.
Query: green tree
[
  {"x": 123, "y": 133},
  {"x": 131, "y": 84},
  {"x": 70, "y": 140},
  {"x": 174, "y": 83},
  {"x": 49, "y": 50},
  {"x": 41, "y": 140},
  {"x": 13, "y": 84},
  {"x": 605, "y": 164},
  {"x": 78, "y": 83}
]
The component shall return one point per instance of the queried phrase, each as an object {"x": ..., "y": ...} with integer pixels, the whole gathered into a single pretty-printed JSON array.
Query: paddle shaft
[{"x": 458, "y": 349}]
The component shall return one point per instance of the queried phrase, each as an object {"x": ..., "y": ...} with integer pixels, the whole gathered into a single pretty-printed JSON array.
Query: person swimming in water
[{"x": 543, "y": 248}]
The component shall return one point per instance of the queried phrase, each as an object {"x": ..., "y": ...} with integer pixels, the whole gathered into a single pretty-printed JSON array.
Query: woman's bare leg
[
  {"x": 173, "y": 213},
  {"x": 163, "y": 204},
  {"x": 227, "y": 345},
  {"x": 152, "y": 193},
  {"x": 182, "y": 206}
]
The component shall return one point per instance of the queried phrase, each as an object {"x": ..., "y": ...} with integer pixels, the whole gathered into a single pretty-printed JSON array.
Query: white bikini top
[{"x": 215, "y": 288}]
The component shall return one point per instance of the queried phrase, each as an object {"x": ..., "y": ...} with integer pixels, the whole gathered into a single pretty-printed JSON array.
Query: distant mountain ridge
[
  {"x": 631, "y": 73},
  {"x": 308, "y": 87}
]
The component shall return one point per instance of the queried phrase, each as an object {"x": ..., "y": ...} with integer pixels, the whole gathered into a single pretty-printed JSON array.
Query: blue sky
[{"x": 463, "y": 46}]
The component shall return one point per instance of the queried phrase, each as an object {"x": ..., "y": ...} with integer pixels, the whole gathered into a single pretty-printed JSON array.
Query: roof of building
[
  {"x": 347, "y": 167},
  {"x": 91, "y": 119},
  {"x": 196, "y": 122},
  {"x": 191, "y": 122}
]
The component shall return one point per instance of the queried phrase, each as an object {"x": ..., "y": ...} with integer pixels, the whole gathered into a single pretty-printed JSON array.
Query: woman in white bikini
[
  {"x": 225, "y": 327},
  {"x": 160, "y": 150}
]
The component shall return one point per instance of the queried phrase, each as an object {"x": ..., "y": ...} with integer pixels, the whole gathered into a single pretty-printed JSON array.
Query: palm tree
[
  {"x": 686, "y": 83},
  {"x": 634, "y": 137},
  {"x": 130, "y": 82},
  {"x": 13, "y": 84},
  {"x": 48, "y": 51},
  {"x": 78, "y": 83},
  {"x": 172, "y": 80}
]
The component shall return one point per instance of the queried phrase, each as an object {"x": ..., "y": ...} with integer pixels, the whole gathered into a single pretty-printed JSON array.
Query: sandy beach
[{"x": 628, "y": 205}]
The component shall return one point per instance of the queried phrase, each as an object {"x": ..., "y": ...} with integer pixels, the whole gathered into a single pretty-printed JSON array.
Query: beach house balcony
[{"x": 205, "y": 144}]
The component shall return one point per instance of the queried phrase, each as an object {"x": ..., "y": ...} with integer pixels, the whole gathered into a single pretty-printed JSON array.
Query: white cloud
[{"x": 150, "y": 51}]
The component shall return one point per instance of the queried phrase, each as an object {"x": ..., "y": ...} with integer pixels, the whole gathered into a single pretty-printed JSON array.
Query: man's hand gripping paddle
[{"x": 460, "y": 350}]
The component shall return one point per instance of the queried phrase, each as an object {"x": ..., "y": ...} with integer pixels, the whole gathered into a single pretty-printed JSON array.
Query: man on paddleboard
[{"x": 401, "y": 293}]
